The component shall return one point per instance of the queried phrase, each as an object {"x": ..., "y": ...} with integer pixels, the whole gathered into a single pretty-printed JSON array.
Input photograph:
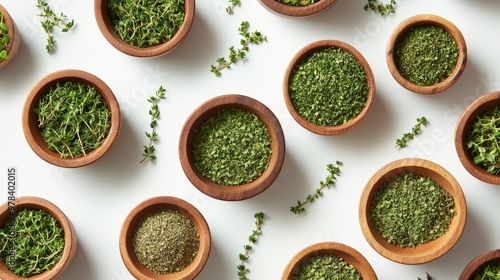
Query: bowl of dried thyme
[
  {"x": 10, "y": 38},
  {"x": 144, "y": 28},
  {"x": 37, "y": 239},
  {"x": 232, "y": 147},
  {"x": 328, "y": 87},
  {"x": 326, "y": 260},
  {"x": 412, "y": 211},
  {"x": 476, "y": 138},
  {"x": 165, "y": 238},
  {"x": 71, "y": 118},
  {"x": 426, "y": 54},
  {"x": 297, "y": 8},
  {"x": 483, "y": 267}
]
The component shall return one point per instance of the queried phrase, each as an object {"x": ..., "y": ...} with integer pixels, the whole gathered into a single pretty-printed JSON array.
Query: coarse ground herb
[
  {"x": 166, "y": 241},
  {"x": 51, "y": 20},
  {"x": 483, "y": 139},
  {"x": 410, "y": 209},
  {"x": 154, "y": 112},
  {"x": 4, "y": 38},
  {"x": 37, "y": 245},
  {"x": 252, "y": 239},
  {"x": 328, "y": 88},
  {"x": 73, "y": 118},
  {"x": 488, "y": 272},
  {"x": 426, "y": 55},
  {"x": 401, "y": 143},
  {"x": 148, "y": 22},
  {"x": 232, "y": 147},
  {"x": 379, "y": 7},
  {"x": 298, "y": 3},
  {"x": 326, "y": 266}
]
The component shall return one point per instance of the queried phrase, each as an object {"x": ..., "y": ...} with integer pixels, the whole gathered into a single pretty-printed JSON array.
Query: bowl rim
[
  {"x": 106, "y": 27},
  {"x": 70, "y": 239},
  {"x": 425, "y": 252},
  {"x": 134, "y": 266},
  {"x": 478, "y": 262},
  {"x": 30, "y": 120},
  {"x": 15, "y": 41},
  {"x": 293, "y": 11},
  {"x": 427, "y": 19},
  {"x": 210, "y": 108},
  {"x": 303, "y": 53}
]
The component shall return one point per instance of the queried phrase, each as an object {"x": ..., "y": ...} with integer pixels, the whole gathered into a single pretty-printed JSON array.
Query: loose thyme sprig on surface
[
  {"x": 329, "y": 181},
  {"x": 401, "y": 143},
  {"x": 252, "y": 239},
  {"x": 428, "y": 277},
  {"x": 4, "y": 38},
  {"x": 50, "y": 20},
  {"x": 380, "y": 8},
  {"x": 154, "y": 112},
  {"x": 234, "y": 3},
  {"x": 255, "y": 37}
]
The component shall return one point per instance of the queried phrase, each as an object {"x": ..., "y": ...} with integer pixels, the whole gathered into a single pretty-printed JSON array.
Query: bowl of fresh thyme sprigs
[
  {"x": 412, "y": 211},
  {"x": 298, "y": 8},
  {"x": 10, "y": 39},
  {"x": 483, "y": 267}
]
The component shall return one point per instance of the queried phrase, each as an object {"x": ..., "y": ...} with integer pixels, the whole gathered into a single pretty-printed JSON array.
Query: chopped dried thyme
[
  {"x": 298, "y": 3},
  {"x": 326, "y": 266}
]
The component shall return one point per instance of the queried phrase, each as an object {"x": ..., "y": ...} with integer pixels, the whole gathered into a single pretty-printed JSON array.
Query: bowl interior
[
  {"x": 296, "y": 11},
  {"x": 15, "y": 38},
  {"x": 477, "y": 264}
]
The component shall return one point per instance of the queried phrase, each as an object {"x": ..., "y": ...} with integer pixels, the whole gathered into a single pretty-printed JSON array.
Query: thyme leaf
[
  {"x": 252, "y": 239},
  {"x": 381, "y": 8},
  {"x": 51, "y": 20},
  {"x": 4, "y": 38},
  {"x": 154, "y": 112},
  {"x": 401, "y": 143}
]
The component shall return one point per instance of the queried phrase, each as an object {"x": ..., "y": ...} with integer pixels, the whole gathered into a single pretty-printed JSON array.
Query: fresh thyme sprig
[
  {"x": 4, "y": 38},
  {"x": 428, "y": 277},
  {"x": 154, "y": 112},
  {"x": 50, "y": 20},
  {"x": 235, "y": 54},
  {"x": 329, "y": 181},
  {"x": 401, "y": 143},
  {"x": 380, "y": 8},
  {"x": 252, "y": 239},
  {"x": 234, "y": 3}
]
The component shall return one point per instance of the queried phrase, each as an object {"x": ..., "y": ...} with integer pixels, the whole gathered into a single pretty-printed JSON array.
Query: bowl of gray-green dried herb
[
  {"x": 328, "y": 87},
  {"x": 412, "y": 211},
  {"x": 232, "y": 147}
]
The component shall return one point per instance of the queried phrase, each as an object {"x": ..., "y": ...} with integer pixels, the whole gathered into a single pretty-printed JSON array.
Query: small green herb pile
[
  {"x": 252, "y": 239},
  {"x": 4, "y": 38},
  {"x": 51, "y": 20},
  {"x": 326, "y": 266},
  {"x": 232, "y": 148},
  {"x": 154, "y": 112},
  {"x": 401, "y": 143},
  {"x": 409, "y": 210},
  {"x": 73, "y": 118},
  {"x": 426, "y": 55},
  {"x": 298, "y": 3},
  {"x": 37, "y": 246},
  {"x": 483, "y": 140},
  {"x": 328, "y": 88},
  {"x": 146, "y": 23},
  {"x": 381, "y": 8},
  {"x": 488, "y": 272}
]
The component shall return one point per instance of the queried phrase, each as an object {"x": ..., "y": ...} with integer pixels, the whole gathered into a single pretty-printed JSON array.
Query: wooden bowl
[
  {"x": 70, "y": 240},
  {"x": 140, "y": 271},
  {"x": 479, "y": 106},
  {"x": 30, "y": 118},
  {"x": 425, "y": 252},
  {"x": 306, "y": 52},
  {"x": 345, "y": 252},
  {"x": 15, "y": 37},
  {"x": 296, "y": 11},
  {"x": 477, "y": 264},
  {"x": 105, "y": 24},
  {"x": 210, "y": 108},
  {"x": 427, "y": 19}
]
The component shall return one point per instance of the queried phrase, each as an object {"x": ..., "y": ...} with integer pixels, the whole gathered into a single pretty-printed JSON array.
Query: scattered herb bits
[
  {"x": 417, "y": 128},
  {"x": 326, "y": 266},
  {"x": 252, "y": 239},
  {"x": 298, "y": 3},
  {"x": 154, "y": 112},
  {"x": 51, "y": 20},
  {"x": 380, "y": 7},
  {"x": 4, "y": 38},
  {"x": 488, "y": 272},
  {"x": 428, "y": 277},
  {"x": 233, "y": 3}
]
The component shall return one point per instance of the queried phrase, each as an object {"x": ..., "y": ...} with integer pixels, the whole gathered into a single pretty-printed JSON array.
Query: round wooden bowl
[
  {"x": 425, "y": 252},
  {"x": 140, "y": 271},
  {"x": 30, "y": 118},
  {"x": 70, "y": 240},
  {"x": 427, "y": 19},
  {"x": 210, "y": 108},
  {"x": 306, "y": 52},
  {"x": 105, "y": 24},
  {"x": 477, "y": 264},
  {"x": 479, "y": 106},
  {"x": 343, "y": 251},
  {"x": 15, "y": 37},
  {"x": 296, "y": 11}
]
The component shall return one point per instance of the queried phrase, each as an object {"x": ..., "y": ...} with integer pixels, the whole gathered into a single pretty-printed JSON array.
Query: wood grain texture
[
  {"x": 294, "y": 11},
  {"x": 477, "y": 264},
  {"x": 15, "y": 37}
]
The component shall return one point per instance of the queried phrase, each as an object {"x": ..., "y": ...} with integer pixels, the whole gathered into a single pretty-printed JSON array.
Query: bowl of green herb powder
[
  {"x": 483, "y": 267},
  {"x": 297, "y": 8},
  {"x": 412, "y": 211},
  {"x": 10, "y": 38}
]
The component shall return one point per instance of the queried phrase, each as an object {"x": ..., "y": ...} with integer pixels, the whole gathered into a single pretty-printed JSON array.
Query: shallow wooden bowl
[
  {"x": 140, "y": 271},
  {"x": 70, "y": 240},
  {"x": 477, "y": 264},
  {"x": 30, "y": 118},
  {"x": 421, "y": 253},
  {"x": 105, "y": 24},
  {"x": 293, "y": 11},
  {"x": 427, "y": 19},
  {"x": 15, "y": 37},
  {"x": 306, "y": 52},
  {"x": 210, "y": 108},
  {"x": 343, "y": 251},
  {"x": 479, "y": 106}
]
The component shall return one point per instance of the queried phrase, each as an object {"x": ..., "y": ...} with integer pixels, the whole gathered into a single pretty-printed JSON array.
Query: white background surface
[{"x": 97, "y": 198}]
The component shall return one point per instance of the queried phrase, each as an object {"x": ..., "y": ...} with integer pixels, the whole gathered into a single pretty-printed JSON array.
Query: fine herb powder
[
  {"x": 410, "y": 209},
  {"x": 328, "y": 88},
  {"x": 426, "y": 55},
  {"x": 488, "y": 272},
  {"x": 232, "y": 147},
  {"x": 166, "y": 241},
  {"x": 326, "y": 266}
]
